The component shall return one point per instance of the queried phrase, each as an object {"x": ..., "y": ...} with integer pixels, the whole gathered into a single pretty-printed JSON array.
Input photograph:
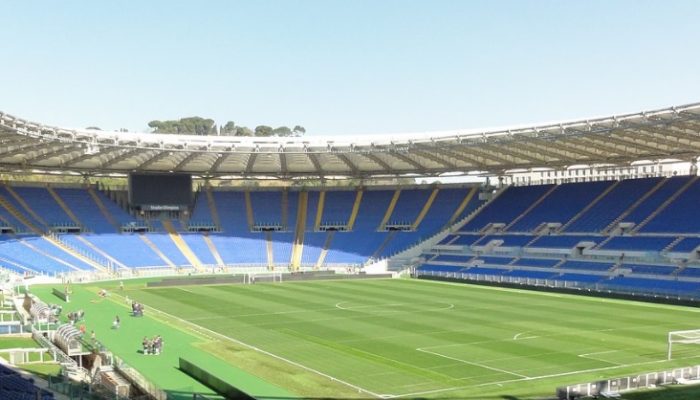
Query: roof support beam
[
  {"x": 407, "y": 160},
  {"x": 587, "y": 143},
  {"x": 672, "y": 138},
  {"x": 217, "y": 163},
  {"x": 548, "y": 152},
  {"x": 50, "y": 154},
  {"x": 373, "y": 157},
  {"x": 317, "y": 165},
  {"x": 23, "y": 149},
  {"x": 508, "y": 149},
  {"x": 478, "y": 152},
  {"x": 434, "y": 158},
  {"x": 449, "y": 152},
  {"x": 250, "y": 163},
  {"x": 346, "y": 160},
  {"x": 124, "y": 156},
  {"x": 283, "y": 163},
  {"x": 186, "y": 161},
  {"x": 633, "y": 145},
  {"x": 159, "y": 155},
  {"x": 668, "y": 144},
  {"x": 568, "y": 147},
  {"x": 87, "y": 156}
]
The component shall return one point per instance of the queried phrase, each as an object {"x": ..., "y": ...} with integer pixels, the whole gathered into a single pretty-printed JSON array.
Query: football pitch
[{"x": 420, "y": 339}]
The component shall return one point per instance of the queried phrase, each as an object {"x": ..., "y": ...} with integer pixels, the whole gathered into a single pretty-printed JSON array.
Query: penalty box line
[
  {"x": 259, "y": 350},
  {"x": 476, "y": 364}
]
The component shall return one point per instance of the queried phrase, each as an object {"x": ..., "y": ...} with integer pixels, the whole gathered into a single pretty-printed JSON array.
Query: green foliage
[
  {"x": 202, "y": 126},
  {"x": 282, "y": 131},
  {"x": 185, "y": 126},
  {"x": 244, "y": 131},
  {"x": 263, "y": 130},
  {"x": 229, "y": 129}
]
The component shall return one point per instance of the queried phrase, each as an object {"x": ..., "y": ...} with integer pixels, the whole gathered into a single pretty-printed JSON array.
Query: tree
[
  {"x": 263, "y": 130},
  {"x": 282, "y": 131},
  {"x": 185, "y": 126},
  {"x": 244, "y": 131},
  {"x": 299, "y": 130},
  {"x": 229, "y": 129},
  {"x": 93, "y": 128}
]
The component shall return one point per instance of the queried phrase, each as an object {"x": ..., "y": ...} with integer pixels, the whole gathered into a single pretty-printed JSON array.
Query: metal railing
[
  {"x": 556, "y": 283},
  {"x": 613, "y": 387}
]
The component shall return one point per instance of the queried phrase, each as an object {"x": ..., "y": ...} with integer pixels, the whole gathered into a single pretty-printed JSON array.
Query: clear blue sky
[{"x": 345, "y": 67}]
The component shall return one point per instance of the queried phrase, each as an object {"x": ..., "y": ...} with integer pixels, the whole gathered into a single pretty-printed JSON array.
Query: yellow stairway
[
  {"x": 389, "y": 237},
  {"x": 51, "y": 256},
  {"x": 64, "y": 206},
  {"x": 213, "y": 249},
  {"x": 24, "y": 205},
  {"x": 156, "y": 250},
  {"x": 319, "y": 210},
  {"x": 182, "y": 245},
  {"x": 285, "y": 209},
  {"x": 298, "y": 246},
  {"x": 100, "y": 252},
  {"x": 390, "y": 209},
  {"x": 463, "y": 205},
  {"x": 425, "y": 209},
  {"x": 249, "y": 211},
  {"x": 54, "y": 241},
  {"x": 212, "y": 207},
  {"x": 268, "y": 246},
  {"x": 105, "y": 212},
  {"x": 355, "y": 209},
  {"x": 324, "y": 250}
]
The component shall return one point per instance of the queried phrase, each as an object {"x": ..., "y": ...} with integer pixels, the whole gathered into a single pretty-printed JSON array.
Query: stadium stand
[
  {"x": 344, "y": 228},
  {"x": 15, "y": 387}
]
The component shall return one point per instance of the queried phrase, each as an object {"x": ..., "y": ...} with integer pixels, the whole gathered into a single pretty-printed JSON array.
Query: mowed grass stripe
[{"x": 373, "y": 344}]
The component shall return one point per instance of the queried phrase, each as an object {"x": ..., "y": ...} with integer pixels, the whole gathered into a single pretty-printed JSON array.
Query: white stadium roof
[{"x": 670, "y": 133}]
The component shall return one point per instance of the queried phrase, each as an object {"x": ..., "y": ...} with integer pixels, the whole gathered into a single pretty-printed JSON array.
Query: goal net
[
  {"x": 261, "y": 277},
  {"x": 679, "y": 340}
]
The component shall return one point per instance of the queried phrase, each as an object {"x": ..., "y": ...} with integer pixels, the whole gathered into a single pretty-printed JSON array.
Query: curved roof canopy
[{"x": 670, "y": 133}]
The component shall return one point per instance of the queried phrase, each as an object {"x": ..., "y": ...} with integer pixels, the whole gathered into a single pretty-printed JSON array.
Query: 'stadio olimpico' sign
[{"x": 161, "y": 207}]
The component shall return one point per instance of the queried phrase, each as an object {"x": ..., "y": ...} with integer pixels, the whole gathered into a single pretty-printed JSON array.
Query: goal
[
  {"x": 261, "y": 277},
  {"x": 691, "y": 336}
]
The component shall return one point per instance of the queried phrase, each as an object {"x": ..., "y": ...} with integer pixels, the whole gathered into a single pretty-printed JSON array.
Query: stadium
[{"x": 154, "y": 266}]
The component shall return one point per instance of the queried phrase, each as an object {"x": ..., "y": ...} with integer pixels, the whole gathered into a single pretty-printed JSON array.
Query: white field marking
[
  {"x": 186, "y": 290},
  {"x": 531, "y": 378},
  {"x": 197, "y": 328},
  {"x": 446, "y": 306},
  {"x": 588, "y": 355},
  {"x": 472, "y": 363},
  {"x": 338, "y": 305},
  {"x": 542, "y": 336},
  {"x": 517, "y": 336},
  {"x": 572, "y": 296},
  {"x": 258, "y": 314}
]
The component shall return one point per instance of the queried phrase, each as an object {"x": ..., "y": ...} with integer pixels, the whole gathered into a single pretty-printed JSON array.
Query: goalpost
[
  {"x": 691, "y": 336},
  {"x": 251, "y": 278}
]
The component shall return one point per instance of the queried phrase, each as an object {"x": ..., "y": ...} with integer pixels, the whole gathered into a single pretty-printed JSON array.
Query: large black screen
[{"x": 149, "y": 190}]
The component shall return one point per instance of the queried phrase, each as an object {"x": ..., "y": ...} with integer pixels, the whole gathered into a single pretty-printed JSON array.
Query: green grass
[
  {"x": 405, "y": 338},
  {"x": 426, "y": 339},
  {"x": 44, "y": 371},
  {"x": 17, "y": 342}
]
